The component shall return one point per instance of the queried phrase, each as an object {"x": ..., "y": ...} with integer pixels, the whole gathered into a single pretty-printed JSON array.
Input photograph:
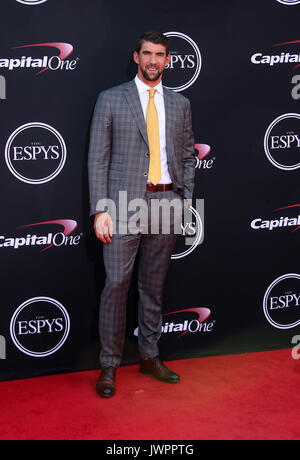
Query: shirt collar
[{"x": 142, "y": 87}]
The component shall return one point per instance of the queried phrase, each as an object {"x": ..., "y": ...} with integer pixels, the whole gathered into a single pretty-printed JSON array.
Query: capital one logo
[
  {"x": 40, "y": 327},
  {"x": 186, "y": 321},
  {"x": 202, "y": 158},
  {"x": 45, "y": 239},
  {"x": 35, "y": 153},
  {"x": 285, "y": 57},
  {"x": 289, "y": 2},
  {"x": 43, "y": 62},
  {"x": 186, "y": 62},
  {"x": 283, "y": 222},
  {"x": 281, "y": 303},
  {"x": 31, "y": 2},
  {"x": 282, "y": 142}
]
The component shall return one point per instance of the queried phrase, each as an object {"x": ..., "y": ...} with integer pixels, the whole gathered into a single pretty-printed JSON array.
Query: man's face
[{"x": 151, "y": 61}]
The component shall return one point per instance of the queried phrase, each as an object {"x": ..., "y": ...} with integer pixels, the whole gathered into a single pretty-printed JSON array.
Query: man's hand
[
  {"x": 103, "y": 226},
  {"x": 187, "y": 203}
]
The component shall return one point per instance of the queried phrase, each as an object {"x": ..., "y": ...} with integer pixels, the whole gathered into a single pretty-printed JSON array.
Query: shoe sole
[{"x": 103, "y": 395}]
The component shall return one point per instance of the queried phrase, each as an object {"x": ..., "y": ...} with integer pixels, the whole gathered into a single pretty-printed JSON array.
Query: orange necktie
[{"x": 154, "y": 174}]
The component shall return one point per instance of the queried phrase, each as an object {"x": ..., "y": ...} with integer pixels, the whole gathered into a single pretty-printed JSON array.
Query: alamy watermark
[
  {"x": 2, "y": 87},
  {"x": 2, "y": 347},
  {"x": 152, "y": 216},
  {"x": 296, "y": 88},
  {"x": 296, "y": 349}
]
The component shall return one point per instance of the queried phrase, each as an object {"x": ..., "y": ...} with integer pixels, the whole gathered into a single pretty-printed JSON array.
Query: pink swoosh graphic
[
  {"x": 289, "y": 207},
  {"x": 289, "y": 43},
  {"x": 65, "y": 49},
  {"x": 203, "y": 314},
  {"x": 203, "y": 150},
  {"x": 68, "y": 224}
]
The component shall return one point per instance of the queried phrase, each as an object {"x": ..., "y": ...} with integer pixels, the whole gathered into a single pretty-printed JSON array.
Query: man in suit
[{"x": 141, "y": 143}]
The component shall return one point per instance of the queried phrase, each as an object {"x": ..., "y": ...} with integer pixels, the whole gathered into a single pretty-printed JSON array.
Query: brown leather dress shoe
[
  {"x": 156, "y": 367},
  {"x": 106, "y": 383}
]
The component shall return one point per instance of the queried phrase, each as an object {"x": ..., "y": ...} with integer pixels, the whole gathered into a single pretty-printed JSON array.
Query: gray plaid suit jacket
[{"x": 119, "y": 151}]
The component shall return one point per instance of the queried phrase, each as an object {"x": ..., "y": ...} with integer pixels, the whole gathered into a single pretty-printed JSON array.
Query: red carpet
[{"x": 238, "y": 397}]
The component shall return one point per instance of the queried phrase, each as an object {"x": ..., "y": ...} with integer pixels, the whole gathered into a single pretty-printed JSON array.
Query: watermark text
[
  {"x": 2, "y": 87},
  {"x": 166, "y": 216},
  {"x": 2, "y": 347},
  {"x": 296, "y": 349},
  {"x": 296, "y": 88}
]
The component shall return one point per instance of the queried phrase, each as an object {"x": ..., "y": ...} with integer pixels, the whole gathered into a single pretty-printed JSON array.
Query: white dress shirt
[{"x": 160, "y": 107}]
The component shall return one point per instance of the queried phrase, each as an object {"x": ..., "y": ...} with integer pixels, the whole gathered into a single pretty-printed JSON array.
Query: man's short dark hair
[{"x": 153, "y": 37}]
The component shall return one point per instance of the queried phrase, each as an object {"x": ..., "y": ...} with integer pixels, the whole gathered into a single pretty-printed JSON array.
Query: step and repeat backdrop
[{"x": 234, "y": 279}]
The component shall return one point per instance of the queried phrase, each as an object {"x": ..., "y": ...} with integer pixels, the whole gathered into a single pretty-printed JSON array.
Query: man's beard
[{"x": 151, "y": 78}]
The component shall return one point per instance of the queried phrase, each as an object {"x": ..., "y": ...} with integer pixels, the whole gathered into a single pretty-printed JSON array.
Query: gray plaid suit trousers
[{"x": 154, "y": 254}]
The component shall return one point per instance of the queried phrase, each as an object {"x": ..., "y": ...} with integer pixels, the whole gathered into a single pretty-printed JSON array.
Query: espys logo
[
  {"x": 189, "y": 321},
  {"x": 35, "y": 153},
  {"x": 43, "y": 240},
  {"x": 282, "y": 142},
  {"x": 192, "y": 231},
  {"x": 40, "y": 327},
  {"x": 283, "y": 222},
  {"x": 45, "y": 62},
  {"x": 31, "y": 2},
  {"x": 281, "y": 303},
  {"x": 202, "y": 162},
  {"x": 185, "y": 64},
  {"x": 289, "y": 2}
]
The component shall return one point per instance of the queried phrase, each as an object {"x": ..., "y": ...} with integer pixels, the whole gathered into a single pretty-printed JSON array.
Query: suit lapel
[
  {"x": 170, "y": 114},
  {"x": 133, "y": 99}
]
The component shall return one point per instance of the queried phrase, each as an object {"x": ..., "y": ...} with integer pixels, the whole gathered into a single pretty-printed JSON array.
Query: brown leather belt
[{"x": 158, "y": 187}]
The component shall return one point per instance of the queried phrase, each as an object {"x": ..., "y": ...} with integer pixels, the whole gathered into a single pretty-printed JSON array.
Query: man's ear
[{"x": 136, "y": 57}]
